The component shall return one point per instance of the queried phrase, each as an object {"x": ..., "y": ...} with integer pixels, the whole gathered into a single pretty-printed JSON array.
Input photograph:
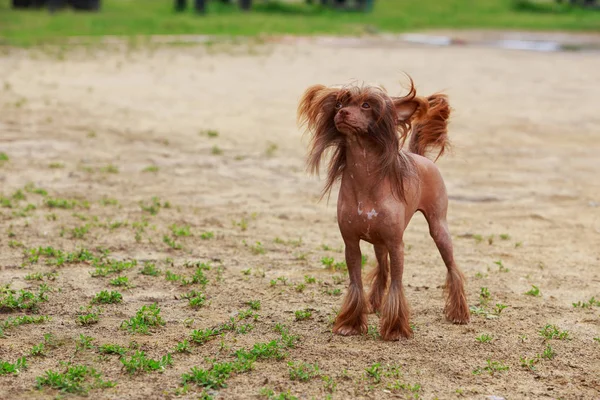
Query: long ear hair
[{"x": 316, "y": 111}]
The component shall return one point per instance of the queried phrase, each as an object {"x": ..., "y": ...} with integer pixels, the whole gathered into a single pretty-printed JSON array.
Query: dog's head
[
  {"x": 368, "y": 111},
  {"x": 333, "y": 115}
]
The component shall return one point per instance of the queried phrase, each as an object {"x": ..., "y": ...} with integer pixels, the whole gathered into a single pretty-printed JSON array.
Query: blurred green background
[{"x": 144, "y": 17}]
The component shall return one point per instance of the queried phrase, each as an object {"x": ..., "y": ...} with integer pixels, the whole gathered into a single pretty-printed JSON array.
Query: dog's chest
[{"x": 365, "y": 219}]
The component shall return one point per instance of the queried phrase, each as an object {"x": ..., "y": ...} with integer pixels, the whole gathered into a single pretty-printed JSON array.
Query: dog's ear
[
  {"x": 312, "y": 103},
  {"x": 411, "y": 108}
]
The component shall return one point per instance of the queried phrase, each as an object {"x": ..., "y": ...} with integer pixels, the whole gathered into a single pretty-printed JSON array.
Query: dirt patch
[{"x": 144, "y": 143}]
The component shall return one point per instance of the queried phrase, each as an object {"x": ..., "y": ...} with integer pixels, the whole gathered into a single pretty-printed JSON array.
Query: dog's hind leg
[
  {"x": 352, "y": 318},
  {"x": 379, "y": 278},
  {"x": 456, "y": 310},
  {"x": 395, "y": 312}
]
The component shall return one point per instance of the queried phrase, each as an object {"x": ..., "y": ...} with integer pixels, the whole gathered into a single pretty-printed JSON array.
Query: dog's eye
[
  {"x": 365, "y": 105},
  {"x": 338, "y": 105}
]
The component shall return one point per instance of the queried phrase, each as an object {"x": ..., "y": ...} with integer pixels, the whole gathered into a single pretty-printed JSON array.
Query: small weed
[
  {"x": 309, "y": 279},
  {"x": 270, "y": 394},
  {"x": 529, "y": 363},
  {"x": 151, "y": 168},
  {"x": 329, "y": 383},
  {"x": 105, "y": 201},
  {"x": 120, "y": 281},
  {"x": 327, "y": 262},
  {"x": 484, "y": 338},
  {"x": 491, "y": 367},
  {"x": 183, "y": 347},
  {"x": 85, "y": 342},
  {"x": 534, "y": 291},
  {"x": 271, "y": 149},
  {"x": 179, "y": 231},
  {"x": 549, "y": 332},
  {"x": 216, "y": 150},
  {"x": 106, "y": 297},
  {"x": 110, "y": 169},
  {"x": 210, "y": 133},
  {"x": 548, "y": 353},
  {"x": 150, "y": 269},
  {"x": 38, "y": 350},
  {"x": 64, "y": 203},
  {"x": 499, "y": 308},
  {"x": 504, "y": 236},
  {"x": 207, "y": 235},
  {"x": 333, "y": 292},
  {"x": 501, "y": 267},
  {"x": 246, "y": 271},
  {"x": 112, "y": 349},
  {"x": 301, "y": 315},
  {"x": 300, "y": 287},
  {"x": 257, "y": 248},
  {"x": 373, "y": 332},
  {"x": 25, "y": 300},
  {"x": 3, "y": 157},
  {"x": 56, "y": 165},
  {"x": 592, "y": 302},
  {"x": 374, "y": 372},
  {"x": 138, "y": 362},
  {"x": 204, "y": 335},
  {"x": 484, "y": 295},
  {"x": 77, "y": 379},
  {"x": 302, "y": 371},
  {"x": 22, "y": 320},
  {"x": 283, "y": 280},
  {"x": 254, "y": 304},
  {"x": 145, "y": 317},
  {"x": 196, "y": 299},
  {"x": 154, "y": 207},
  {"x": 87, "y": 316},
  {"x": 243, "y": 224},
  {"x": 171, "y": 243},
  {"x": 106, "y": 267},
  {"x": 13, "y": 368}
]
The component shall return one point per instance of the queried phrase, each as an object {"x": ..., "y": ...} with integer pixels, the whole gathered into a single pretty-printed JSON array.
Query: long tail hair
[{"x": 430, "y": 127}]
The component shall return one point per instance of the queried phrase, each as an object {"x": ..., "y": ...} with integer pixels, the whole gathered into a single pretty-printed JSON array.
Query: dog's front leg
[
  {"x": 395, "y": 313},
  {"x": 352, "y": 319}
]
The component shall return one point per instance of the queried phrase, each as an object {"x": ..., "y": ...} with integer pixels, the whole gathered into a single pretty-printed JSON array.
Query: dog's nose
[{"x": 343, "y": 112}]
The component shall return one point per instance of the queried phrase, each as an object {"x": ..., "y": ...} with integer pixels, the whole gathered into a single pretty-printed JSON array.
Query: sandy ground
[{"x": 525, "y": 165}]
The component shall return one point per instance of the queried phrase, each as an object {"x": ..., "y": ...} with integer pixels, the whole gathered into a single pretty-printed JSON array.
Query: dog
[{"x": 382, "y": 187}]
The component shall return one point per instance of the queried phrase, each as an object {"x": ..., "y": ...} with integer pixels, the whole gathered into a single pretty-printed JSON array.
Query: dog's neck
[{"x": 363, "y": 165}]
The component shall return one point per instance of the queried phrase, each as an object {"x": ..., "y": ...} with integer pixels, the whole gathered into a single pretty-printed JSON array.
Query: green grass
[
  {"x": 301, "y": 371},
  {"x": 138, "y": 362},
  {"x": 553, "y": 332},
  {"x": 145, "y": 318},
  {"x": 13, "y": 368},
  {"x": 492, "y": 367},
  {"x": 112, "y": 349},
  {"x": 77, "y": 379},
  {"x": 10, "y": 300},
  {"x": 106, "y": 297},
  {"x": 145, "y": 17}
]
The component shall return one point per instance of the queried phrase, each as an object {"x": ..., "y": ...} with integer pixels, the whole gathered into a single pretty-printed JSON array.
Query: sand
[{"x": 522, "y": 179}]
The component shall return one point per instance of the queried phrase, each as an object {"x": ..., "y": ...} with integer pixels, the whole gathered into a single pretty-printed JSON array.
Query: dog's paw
[{"x": 346, "y": 330}]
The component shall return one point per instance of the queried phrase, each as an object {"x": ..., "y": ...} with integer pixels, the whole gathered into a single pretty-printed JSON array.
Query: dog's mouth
[{"x": 343, "y": 122}]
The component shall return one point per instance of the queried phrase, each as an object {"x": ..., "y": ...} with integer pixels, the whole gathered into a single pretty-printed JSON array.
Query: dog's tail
[{"x": 430, "y": 129}]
